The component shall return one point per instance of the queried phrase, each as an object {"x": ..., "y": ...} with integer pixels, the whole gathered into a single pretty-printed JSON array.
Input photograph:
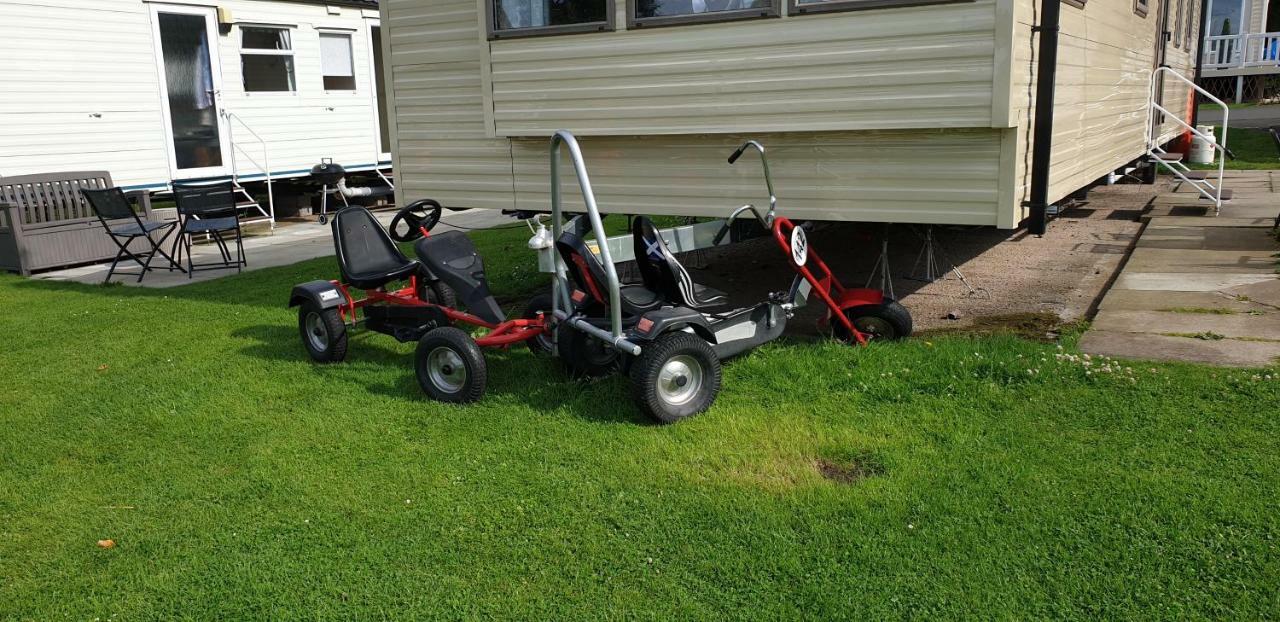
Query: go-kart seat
[
  {"x": 367, "y": 258},
  {"x": 662, "y": 272},
  {"x": 589, "y": 277},
  {"x": 452, "y": 258}
]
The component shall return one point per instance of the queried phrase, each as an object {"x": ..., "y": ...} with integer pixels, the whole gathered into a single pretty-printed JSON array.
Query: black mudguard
[
  {"x": 661, "y": 321},
  {"x": 324, "y": 294}
]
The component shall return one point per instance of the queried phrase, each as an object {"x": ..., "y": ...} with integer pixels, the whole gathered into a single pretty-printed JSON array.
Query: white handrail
[
  {"x": 264, "y": 167},
  {"x": 1220, "y": 148}
]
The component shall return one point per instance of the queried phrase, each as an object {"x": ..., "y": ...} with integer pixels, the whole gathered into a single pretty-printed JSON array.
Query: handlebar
[
  {"x": 768, "y": 180},
  {"x": 764, "y": 222}
]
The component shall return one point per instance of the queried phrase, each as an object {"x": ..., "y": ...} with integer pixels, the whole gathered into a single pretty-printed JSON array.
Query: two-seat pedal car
[{"x": 666, "y": 332}]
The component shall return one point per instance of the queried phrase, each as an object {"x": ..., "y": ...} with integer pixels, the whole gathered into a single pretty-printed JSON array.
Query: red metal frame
[{"x": 836, "y": 296}]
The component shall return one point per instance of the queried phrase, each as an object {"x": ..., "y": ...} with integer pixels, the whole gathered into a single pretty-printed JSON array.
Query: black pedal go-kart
[
  {"x": 669, "y": 333},
  {"x": 413, "y": 300}
]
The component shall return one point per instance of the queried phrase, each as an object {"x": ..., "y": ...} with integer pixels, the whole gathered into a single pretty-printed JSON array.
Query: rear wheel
[
  {"x": 540, "y": 305},
  {"x": 675, "y": 377},
  {"x": 450, "y": 366},
  {"x": 323, "y": 333},
  {"x": 887, "y": 321},
  {"x": 437, "y": 292},
  {"x": 585, "y": 356}
]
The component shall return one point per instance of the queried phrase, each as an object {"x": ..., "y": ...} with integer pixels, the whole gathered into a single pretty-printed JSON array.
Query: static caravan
[
  {"x": 904, "y": 111},
  {"x": 1242, "y": 49},
  {"x": 159, "y": 91}
]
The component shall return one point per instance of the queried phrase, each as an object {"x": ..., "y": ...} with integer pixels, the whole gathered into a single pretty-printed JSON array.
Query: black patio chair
[
  {"x": 209, "y": 210},
  {"x": 111, "y": 205}
]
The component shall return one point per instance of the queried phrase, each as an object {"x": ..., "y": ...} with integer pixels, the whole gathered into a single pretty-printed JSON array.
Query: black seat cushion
[
  {"x": 367, "y": 258},
  {"x": 589, "y": 276},
  {"x": 452, "y": 257},
  {"x": 664, "y": 274}
]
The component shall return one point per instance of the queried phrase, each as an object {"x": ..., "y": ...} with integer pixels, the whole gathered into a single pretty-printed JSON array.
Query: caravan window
[
  {"x": 335, "y": 62},
  {"x": 524, "y": 18},
  {"x": 801, "y": 7},
  {"x": 643, "y": 13},
  {"x": 266, "y": 59}
]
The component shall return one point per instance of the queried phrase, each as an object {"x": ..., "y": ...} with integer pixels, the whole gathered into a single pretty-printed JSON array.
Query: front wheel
[
  {"x": 887, "y": 321},
  {"x": 450, "y": 367},
  {"x": 323, "y": 333},
  {"x": 675, "y": 377}
]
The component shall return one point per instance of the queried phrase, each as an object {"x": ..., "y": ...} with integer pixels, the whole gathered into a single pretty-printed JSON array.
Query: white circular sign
[{"x": 799, "y": 246}]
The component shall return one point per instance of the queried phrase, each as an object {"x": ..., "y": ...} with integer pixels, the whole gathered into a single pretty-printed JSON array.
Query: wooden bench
[{"x": 46, "y": 223}]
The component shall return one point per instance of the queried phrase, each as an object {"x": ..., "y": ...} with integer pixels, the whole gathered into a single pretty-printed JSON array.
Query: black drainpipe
[{"x": 1042, "y": 149}]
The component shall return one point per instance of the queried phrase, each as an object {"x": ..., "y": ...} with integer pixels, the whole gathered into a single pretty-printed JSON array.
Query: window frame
[
  {"x": 1079, "y": 4},
  {"x": 1142, "y": 8},
  {"x": 494, "y": 34},
  {"x": 1177, "y": 24},
  {"x": 795, "y": 9},
  {"x": 351, "y": 52},
  {"x": 244, "y": 51},
  {"x": 641, "y": 23}
]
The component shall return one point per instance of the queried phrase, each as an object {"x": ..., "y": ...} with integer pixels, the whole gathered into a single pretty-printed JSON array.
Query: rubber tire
[
  {"x": 889, "y": 313},
  {"x": 646, "y": 368},
  {"x": 472, "y": 359},
  {"x": 585, "y": 356},
  {"x": 437, "y": 292},
  {"x": 331, "y": 322},
  {"x": 542, "y": 344}
]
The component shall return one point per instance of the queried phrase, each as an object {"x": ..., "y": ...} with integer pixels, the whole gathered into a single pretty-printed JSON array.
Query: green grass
[
  {"x": 1230, "y": 106},
  {"x": 1254, "y": 150},
  {"x": 987, "y": 477}
]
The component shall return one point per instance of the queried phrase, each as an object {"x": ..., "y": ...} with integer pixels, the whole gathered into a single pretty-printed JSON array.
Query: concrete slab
[
  {"x": 1263, "y": 293},
  {"x": 1237, "y": 325},
  {"x": 290, "y": 243},
  {"x": 1145, "y": 300},
  {"x": 1187, "y": 281},
  {"x": 1148, "y": 259},
  {"x": 1207, "y": 238},
  {"x": 1211, "y": 221},
  {"x": 1225, "y": 352}
]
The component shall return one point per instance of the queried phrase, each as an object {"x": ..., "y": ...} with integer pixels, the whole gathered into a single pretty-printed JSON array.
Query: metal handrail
[
  {"x": 558, "y": 295},
  {"x": 1219, "y": 147},
  {"x": 264, "y": 167}
]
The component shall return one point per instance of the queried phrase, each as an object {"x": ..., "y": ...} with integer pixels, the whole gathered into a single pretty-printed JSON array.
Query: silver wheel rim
[
  {"x": 446, "y": 369},
  {"x": 679, "y": 380},
  {"x": 873, "y": 327},
  {"x": 317, "y": 332}
]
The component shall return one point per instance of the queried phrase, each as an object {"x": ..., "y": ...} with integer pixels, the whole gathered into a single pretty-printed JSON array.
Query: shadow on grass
[{"x": 536, "y": 382}]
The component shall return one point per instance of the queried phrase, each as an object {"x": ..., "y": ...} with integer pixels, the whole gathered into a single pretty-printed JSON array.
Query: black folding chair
[
  {"x": 111, "y": 204},
  {"x": 208, "y": 209}
]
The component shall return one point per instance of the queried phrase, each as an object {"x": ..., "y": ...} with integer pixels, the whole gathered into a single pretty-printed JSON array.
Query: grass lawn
[
  {"x": 1254, "y": 150},
  {"x": 946, "y": 476}
]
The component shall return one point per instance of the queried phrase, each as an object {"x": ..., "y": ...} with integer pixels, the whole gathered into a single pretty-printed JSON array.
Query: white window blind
[{"x": 335, "y": 55}]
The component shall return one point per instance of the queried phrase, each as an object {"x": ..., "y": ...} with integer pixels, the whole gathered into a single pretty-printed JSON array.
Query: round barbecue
[{"x": 328, "y": 172}]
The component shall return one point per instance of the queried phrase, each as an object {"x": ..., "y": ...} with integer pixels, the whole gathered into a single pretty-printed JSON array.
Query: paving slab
[
  {"x": 1143, "y": 346},
  {"x": 1187, "y": 281},
  {"x": 1148, "y": 259},
  {"x": 1265, "y": 326},
  {"x": 1158, "y": 235},
  {"x": 1144, "y": 300},
  {"x": 1218, "y": 221},
  {"x": 1263, "y": 293}
]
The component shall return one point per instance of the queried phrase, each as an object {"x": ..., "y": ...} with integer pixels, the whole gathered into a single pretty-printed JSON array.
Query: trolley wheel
[
  {"x": 585, "y": 356},
  {"x": 449, "y": 366},
  {"x": 437, "y": 292},
  {"x": 887, "y": 321},
  {"x": 324, "y": 219},
  {"x": 675, "y": 377},
  {"x": 323, "y": 333},
  {"x": 544, "y": 343}
]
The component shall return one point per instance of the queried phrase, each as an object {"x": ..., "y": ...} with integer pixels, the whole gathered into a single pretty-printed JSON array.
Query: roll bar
[{"x": 559, "y": 298}]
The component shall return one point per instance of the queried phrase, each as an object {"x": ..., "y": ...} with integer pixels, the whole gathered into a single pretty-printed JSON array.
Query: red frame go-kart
[{"x": 449, "y": 364}]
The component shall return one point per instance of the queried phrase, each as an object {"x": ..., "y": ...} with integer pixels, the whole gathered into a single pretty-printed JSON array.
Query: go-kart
[
  {"x": 669, "y": 333},
  {"x": 413, "y": 300}
]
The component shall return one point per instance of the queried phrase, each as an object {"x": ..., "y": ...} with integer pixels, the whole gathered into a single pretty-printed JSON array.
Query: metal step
[
  {"x": 1196, "y": 175},
  {"x": 1168, "y": 157},
  {"x": 1226, "y": 195}
]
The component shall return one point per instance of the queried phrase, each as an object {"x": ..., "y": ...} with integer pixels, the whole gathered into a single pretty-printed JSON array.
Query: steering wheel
[{"x": 408, "y": 223}]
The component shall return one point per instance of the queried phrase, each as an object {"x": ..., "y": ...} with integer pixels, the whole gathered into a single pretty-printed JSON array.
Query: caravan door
[{"x": 186, "y": 46}]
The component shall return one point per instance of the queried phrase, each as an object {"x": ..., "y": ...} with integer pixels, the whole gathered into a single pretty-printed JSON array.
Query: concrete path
[
  {"x": 290, "y": 243},
  {"x": 1199, "y": 287}
]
